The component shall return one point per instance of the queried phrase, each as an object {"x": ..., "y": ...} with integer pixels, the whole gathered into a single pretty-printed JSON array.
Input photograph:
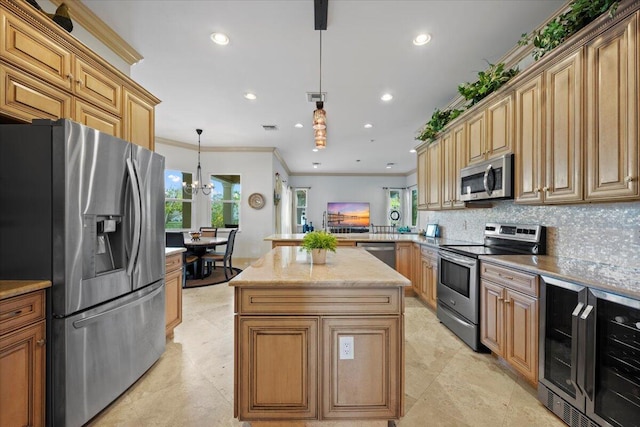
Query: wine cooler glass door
[
  {"x": 613, "y": 375},
  {"x": 561, "y": 356}
]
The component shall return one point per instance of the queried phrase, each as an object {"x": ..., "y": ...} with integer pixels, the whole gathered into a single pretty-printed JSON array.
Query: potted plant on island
[{"x": 317, "y": 243}]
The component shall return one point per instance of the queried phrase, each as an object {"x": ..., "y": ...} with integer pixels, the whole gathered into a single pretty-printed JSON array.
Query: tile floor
[{"x": 447, "y": 384}]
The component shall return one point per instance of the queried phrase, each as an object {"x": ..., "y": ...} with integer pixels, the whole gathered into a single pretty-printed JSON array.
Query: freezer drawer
[{"x": 99, "y": 353}]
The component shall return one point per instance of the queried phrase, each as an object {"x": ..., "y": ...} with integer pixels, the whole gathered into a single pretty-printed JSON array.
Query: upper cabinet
[
  {"x": 48, "y": 74},
  {"x": 612, "y": 113},
  {"x": 490, "y": 130}
]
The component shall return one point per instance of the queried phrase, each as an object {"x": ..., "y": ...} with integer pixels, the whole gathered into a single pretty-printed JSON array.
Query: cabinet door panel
[
  {"x": 492, "y": 316},
  {"x": 95, "y": 118},
  {"x": 173, "y": 300},
  {"x": 26, "y": 98},
  {"x": 529, "y": 157},
  {"x": 476, "y": 134},
  {"x": 612, "y": 114},
  {"x": 29, "y": 49},
  {"x": 369, "y": 385},
  {"x": 278, "y": 368},
  {"x": 138, "y": 121},
  {"x": 422, "y": 180},
  {"x": 521, "y": 349},
  {"x": 500, "y": 127},
  {"x": 22, "y": 377},
  {"x": 434, "y": 175},
  {"x": 97, "y": 87},
  {"x": 447, "y": 174},
  {"x": 460, "y": 161},
  {"x": 563, "y": 145}
]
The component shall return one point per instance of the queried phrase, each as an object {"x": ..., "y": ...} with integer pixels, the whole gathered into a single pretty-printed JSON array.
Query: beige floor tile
[{"x": 446, "y": 383}]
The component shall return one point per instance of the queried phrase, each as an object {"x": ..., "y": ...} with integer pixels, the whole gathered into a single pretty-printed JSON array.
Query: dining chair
[
  {"x": 210, "y": 258},
  {"x": 209, "y": 231},
  {"x": 175, "y": 239}
]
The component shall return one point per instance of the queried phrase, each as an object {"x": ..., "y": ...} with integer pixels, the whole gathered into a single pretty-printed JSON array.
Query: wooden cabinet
[
  {"x": 173, "y": 292},
  {"x": 428, "y": 283},
  {"x": 612, "y": 167},
  {"x": 453, "y": 160},
  {"x": 422, "y": 179},
  {"x": 490, "y": 131},
  {"x": 403, "y": 258},
  {"x": 139, "y": 119},
  {"x": 22, "y": 360},
  {"x": 509, "y": 317},
  {"x": 434, "y": 175},
  {"x": 46, "y": 73}
]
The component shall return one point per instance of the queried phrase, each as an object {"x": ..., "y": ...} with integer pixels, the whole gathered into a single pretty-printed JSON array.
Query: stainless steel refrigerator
[{"x": 86, "y": 211}]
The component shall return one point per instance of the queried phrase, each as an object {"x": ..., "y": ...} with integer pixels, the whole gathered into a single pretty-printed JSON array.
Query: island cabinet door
[
  {"x": 277, "y": 361},
  {"x": 361, "y": 368}
]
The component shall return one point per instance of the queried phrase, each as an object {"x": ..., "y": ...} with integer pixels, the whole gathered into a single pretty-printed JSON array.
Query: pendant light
[
  {"x": 319, "y": 115},
  {"x": 197, "y": 185}
]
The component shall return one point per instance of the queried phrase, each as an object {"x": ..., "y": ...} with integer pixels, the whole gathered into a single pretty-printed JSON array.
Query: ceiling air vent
[
  {"x": 269, "y": 127},
  {"x": 316, "y": 96}
]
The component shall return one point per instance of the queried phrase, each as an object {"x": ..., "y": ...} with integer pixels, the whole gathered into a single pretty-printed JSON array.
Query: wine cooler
[{"x": 589, "y": 355}]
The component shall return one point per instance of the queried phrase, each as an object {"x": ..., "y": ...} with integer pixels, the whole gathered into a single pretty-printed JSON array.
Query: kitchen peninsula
[{"x": 319, "y": 342}]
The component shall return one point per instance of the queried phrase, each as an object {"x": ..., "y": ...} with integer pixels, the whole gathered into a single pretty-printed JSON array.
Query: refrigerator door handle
[
  {"x": 587, "y": 351},
  {"x": 575, "y": 318},
  {"x": 135, "y": 190},
  {"x": 79, "y": 324}
]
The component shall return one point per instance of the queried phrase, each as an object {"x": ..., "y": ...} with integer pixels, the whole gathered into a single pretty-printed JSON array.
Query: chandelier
[
  {"x": 197, "y": 185},
  {"x": 319, "y": 115}
]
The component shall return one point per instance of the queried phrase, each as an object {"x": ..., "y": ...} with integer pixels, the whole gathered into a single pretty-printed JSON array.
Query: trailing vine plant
[
  {"x": 488, "y": 81},
  {"x": 580, "y": 13},
  {"x": 439, "y": 119}
]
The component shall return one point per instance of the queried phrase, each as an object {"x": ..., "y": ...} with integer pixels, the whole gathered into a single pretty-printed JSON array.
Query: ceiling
[{"x": 274, "y": 51}]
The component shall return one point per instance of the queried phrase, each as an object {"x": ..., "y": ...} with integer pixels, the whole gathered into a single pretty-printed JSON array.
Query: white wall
[
  {"x": 257, "y": 176},
  {"x": 326, "y": 189}
]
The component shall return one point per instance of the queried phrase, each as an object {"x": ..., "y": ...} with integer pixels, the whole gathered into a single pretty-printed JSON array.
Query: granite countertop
[
  {"x": 370, "y": 237},
  {"x": 12, "y": 288},
  {"x": 347, "y": 267},
  {"x": 623, "y": 281},
  {"x": 173, "y": 251}
]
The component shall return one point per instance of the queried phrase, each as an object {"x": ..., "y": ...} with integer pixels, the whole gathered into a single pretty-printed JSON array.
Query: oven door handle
[{"x": 469, "y": 262}]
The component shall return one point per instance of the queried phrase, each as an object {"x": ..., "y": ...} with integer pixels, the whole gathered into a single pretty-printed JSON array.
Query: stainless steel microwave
[{"x": 492, "y": 179}]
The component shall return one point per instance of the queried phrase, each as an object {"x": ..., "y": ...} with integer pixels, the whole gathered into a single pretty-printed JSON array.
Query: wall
[
  {"x": 346, "y": 189},
  {"x": 603, "y": 233},
  {"x": 257, "y": 176}
]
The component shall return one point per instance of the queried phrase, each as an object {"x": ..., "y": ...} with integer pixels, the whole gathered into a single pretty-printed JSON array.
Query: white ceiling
[{"x": 274, "y": 52}]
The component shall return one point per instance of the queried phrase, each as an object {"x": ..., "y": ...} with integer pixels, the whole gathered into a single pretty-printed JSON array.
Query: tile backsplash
[{"x": 607, "y": 233}]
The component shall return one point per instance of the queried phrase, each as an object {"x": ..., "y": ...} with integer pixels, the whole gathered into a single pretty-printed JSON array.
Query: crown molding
[{"x": 97, "y": 27}]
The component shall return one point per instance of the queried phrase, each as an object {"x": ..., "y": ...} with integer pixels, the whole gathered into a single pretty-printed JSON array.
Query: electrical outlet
[
  {"x": 346, "y": 348},
  {"x": 635, "y": 237}
]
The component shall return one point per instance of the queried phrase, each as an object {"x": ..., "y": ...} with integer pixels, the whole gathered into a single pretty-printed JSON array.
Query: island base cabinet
[
  {"x": 366, "y": 385},
  {"x": 278, "y": 368}
]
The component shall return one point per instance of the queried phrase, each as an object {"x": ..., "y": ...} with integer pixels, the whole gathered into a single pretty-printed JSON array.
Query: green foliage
[
  {"x": 488, "y": 81},
  {"x": 439, "y": 119},
  {"x": 580, "y": 13},
  {"x": 319, "y": 240}
]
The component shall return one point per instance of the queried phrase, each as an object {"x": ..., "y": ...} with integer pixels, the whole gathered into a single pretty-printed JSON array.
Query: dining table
[{"x": 199, "y": 247}]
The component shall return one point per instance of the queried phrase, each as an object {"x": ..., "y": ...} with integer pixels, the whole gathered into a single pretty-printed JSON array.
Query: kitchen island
[{"x": 319, "y": 342}]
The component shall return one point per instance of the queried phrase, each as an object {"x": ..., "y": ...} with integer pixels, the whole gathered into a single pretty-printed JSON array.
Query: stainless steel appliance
[
  {"x": 492, "y": 179},
  {"x": 384, "y": 251},
  {"x": 459, "y": 275},
  {"x": 86, "y": 212},
  {"x": 589, "y": 355}
]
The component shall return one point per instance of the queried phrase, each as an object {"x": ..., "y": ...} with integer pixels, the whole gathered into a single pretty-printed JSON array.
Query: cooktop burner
[{"x": 506, "y": 239}]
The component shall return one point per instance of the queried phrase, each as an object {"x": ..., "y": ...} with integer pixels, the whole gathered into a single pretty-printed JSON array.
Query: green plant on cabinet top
[
  {"x": 580, "y": 13},
  {"x": 438, "y": 121},
  {"x": 488, "y": 81}
]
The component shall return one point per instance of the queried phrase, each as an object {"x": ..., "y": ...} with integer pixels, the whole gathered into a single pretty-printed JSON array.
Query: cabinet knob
[
  {"x": 41, "y": 342},
  {"x": 70, "y": 76},
  {"x": 500, "y": 299},
  {"x": 536, "y": 190},
  {"x": 629, "y": 179},
  {"x": 545, "y": 189},
  {"x": 79, "y": 82},
  {"x": 507, "y": 301}
]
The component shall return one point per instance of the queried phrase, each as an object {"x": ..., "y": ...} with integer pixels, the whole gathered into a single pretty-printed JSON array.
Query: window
[
  {"x": 395, "y": 204},
  {"x": 414, "y": 206},
  {"x": 177, "y": 203},
  {"x": 301, "y": 207},
  {"x": 225, "y": 201}
]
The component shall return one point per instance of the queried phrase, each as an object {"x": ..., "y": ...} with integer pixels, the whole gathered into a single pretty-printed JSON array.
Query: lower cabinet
[
  {"x": 22, "y": 360},
  {"x": 509, "y": 317},
  {"x": 428, "y": 289},
  {"x": 404, "y": 262},
  {"x": 173, "y": 293}
]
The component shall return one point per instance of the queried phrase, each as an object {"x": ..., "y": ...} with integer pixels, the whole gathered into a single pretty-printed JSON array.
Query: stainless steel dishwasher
[{"x": 384, "y": 251}]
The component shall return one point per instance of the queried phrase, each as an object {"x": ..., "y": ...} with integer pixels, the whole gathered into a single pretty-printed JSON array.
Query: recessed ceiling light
[
  {"x": 413, "y": 150},
  {"x": 368, "y": 126},
  {"x": 298, "y": 125},
  {"x": 220, "y": 38},
  {"x": 386, "y": 97},
  {"x": 250, "y": 96},
  {"x": 422, "y": 39},
  {"x": 315, "y": 150},
  {"x": 315, "y": 165}
]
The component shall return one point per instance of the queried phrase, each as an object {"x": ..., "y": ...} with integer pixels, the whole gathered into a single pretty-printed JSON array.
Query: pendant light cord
[{"x": 321, "y": 66}]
